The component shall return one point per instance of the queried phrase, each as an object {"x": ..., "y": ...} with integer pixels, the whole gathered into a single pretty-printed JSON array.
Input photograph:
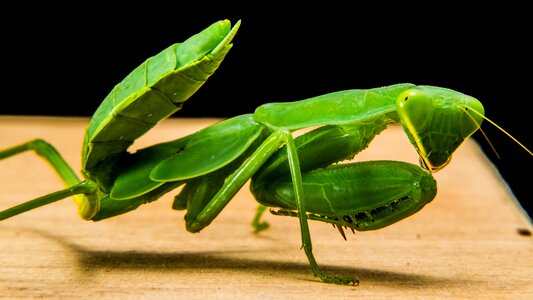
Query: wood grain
[{"x": 465, "y": 244}]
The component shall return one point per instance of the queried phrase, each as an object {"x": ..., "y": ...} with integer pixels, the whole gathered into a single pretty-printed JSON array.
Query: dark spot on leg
[
  {"x": 347, "y": 219},
  {"x": 394, "y": 204},
  {"x": 379, "y": 210},
  {"x": 362, "y": 216},
  {"x": 180, "y": 149}
]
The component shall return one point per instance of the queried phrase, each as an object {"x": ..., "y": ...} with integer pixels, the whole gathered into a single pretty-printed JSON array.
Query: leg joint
[{"x": 40, "y": 146}]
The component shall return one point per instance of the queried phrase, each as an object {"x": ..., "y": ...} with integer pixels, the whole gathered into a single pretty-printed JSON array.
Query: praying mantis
[{"x": 300, "y": 177}]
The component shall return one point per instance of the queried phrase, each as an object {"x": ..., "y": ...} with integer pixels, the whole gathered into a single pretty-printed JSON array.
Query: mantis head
[{"x": 437, "y": 121}]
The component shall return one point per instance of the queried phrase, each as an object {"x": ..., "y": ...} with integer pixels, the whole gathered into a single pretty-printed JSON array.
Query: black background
[{"x": 65, "y": 63}]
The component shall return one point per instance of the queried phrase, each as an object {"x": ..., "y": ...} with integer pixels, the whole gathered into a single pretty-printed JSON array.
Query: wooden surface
[{"x": 465, "y": 244}]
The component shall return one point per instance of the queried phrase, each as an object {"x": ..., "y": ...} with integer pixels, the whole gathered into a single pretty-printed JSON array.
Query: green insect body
[{"x": 292, "y": 175}]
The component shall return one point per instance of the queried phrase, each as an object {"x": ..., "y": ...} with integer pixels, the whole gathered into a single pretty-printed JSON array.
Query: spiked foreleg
[{"x": 318, "y": 148}]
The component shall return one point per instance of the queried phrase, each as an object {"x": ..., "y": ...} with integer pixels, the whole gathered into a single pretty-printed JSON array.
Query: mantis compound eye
[{"x": 414, "y": 109}]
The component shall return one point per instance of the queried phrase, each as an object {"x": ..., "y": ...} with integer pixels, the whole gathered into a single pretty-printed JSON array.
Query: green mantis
[{"x": 298, "y": 177}]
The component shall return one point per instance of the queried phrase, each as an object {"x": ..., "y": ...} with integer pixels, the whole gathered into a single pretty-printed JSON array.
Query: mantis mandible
[{"x": 298, "y": 177}]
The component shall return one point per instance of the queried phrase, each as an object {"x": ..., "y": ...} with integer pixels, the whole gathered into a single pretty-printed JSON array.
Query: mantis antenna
[{"x": 501, "y": 129}]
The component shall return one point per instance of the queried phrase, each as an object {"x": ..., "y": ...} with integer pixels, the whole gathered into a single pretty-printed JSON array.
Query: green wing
[
  {"x": 150, "y": 93},
  {"x": 195, "y": 155},
  {"x": 134, "y": 180}
]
